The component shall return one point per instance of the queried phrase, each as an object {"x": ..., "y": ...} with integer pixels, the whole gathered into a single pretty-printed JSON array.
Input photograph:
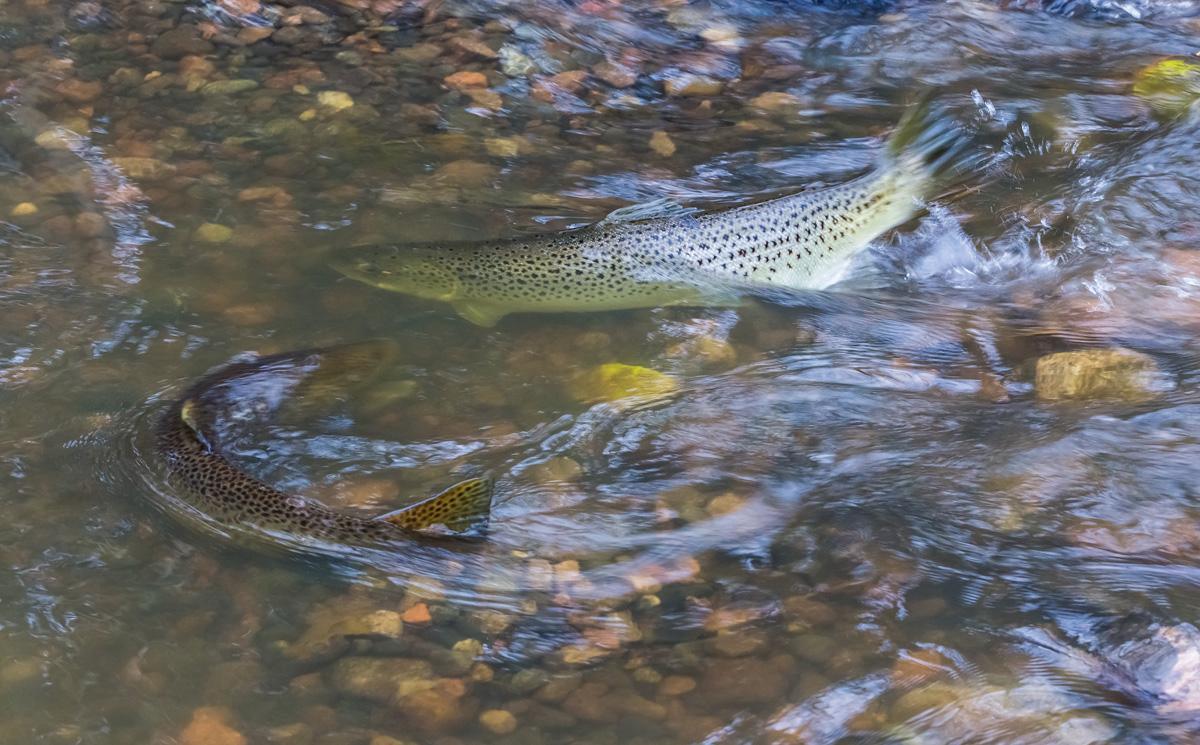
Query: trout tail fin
[
  {"x": 463, "y": 508},
  {"x": 928, "y": 147}
]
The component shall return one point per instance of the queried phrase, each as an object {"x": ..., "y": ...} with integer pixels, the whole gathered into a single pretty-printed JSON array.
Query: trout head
[{"x": 399, "y": 269}]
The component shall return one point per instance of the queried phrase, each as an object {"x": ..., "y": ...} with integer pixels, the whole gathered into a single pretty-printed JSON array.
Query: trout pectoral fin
[
  {"x": 480, "y": 314},
  {"x": 464, "y": 507}
]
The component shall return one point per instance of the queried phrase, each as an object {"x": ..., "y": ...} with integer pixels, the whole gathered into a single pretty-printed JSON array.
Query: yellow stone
[
  {"x": 1170, "y": 85},
  {"x": 336, "y": 100},
  {"x": 775, "y": 101},
  {"x": 211, "y": 232},
  {"x": 614, "y": 381},
  {"x": 307, "y": 115},
  {"x": 662, "y": 144},
  {"x": 24, "y": 209},
  {"x": 1095, "y": 373},
  {"x": 499, "y": 721}
]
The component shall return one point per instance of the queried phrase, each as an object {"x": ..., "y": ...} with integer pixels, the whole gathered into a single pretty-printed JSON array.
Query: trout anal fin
[
  {"x": 463, "y": 508},
  {"x": 480, "y": 314}
]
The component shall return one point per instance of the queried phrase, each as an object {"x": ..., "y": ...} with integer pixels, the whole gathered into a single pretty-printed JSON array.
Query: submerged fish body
[
  {"x": 802, "y": 241},
  {"x": 187, "y": 441}
]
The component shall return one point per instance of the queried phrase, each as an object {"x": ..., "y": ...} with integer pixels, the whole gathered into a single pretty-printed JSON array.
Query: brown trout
[
  {"x": 188, "y": 443},
  {"x": 802, "y": 241}
]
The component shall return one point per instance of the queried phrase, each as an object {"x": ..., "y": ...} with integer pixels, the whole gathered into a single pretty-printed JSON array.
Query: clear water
[{"x": 855, "y": 521}]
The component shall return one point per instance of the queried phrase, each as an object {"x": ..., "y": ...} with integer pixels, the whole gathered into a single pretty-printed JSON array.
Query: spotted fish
[
  {"x": 803, "y": 241},
  {"x": 187, "y": 441}
]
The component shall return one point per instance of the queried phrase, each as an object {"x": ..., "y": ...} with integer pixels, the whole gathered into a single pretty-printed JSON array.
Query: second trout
[{"x": 802, "y": 241}]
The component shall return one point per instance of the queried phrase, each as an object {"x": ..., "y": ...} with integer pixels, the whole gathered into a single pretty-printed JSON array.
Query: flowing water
[{"x": 861, "y": 516}]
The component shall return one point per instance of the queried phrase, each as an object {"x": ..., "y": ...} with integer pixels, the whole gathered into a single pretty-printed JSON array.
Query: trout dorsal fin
[
  {"x": 464, "y": 507},
  {"x": 187, "y": 414},
  {"x": 653, "y": 210}
]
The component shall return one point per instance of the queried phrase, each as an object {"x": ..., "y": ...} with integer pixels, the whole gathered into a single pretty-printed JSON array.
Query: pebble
[
  {"x": 465, "y": 80},
  {"x": 498, "y": 721},
  {"x": 466, "y": 174},
  {"x": 775, "y": 101},
  {"x": 614, "y": 381},
  {"x": 688, "y": 84},
  {"x": 210, "y": 726},
  {"x": 473, "y": 46},
  {"x": 211, "y": 232},
  {"x": 1096, "y": 373},
  {"x": 144, "y": 169},
  {"x": 335, "y": 100},
  {"x": 24, "y": 209},
  {"x": 741, "y": 681},
  {"x": 662, "y": 144},
  {"x": 725, "y": 504},
  {"x": 228, "y": 87},
  {"x": 676, "y": 685},
  {"x": 507, "y": 147},
  {"x": 181, "y": 41},
  {"x": 615, "y": 74},
  {"x": 79, "y": 91},
  {"x": 381, "y": 679},
  {"x": 418, "y": 615}
]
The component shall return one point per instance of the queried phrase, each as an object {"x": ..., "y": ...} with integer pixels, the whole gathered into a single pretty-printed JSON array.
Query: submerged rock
[
  {"x": 1096, "y": 373},
  {"x": 614, "y": 381},
  {"x": 1169, "y": 86},
  {"x": 1167, "y": 667},
  {"x": 384, "y": 680},
  {"x": 210, "y": 726}
]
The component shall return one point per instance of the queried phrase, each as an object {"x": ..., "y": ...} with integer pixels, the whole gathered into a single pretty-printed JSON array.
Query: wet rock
[
  {"x": 1096, "y": 373},
  {"x": 254, "y": 34},
  {"x": 79, "y": 91},
  {"x": 210, "y": 726},
  {"x": 418, "y": 615},
  {"x": 775, "y": 101},
  {"x": 144, "y": 169},
  {"x": 1170, "y": 86},
  {"x": 19, "y": 672},
  {"x": 212, "y": 233},
  {"x": 614, "y": 381},
  {"x": 181, "y": 41},
  {"x": 23, "y": 209},
  {"x": 466, "y": 174},
  {"x": 1166, "y": 666},
  {"x": 740, "y": 682},
  {"x": 688, "y": 84},
  {"x": 662, "y": 144},
  {"x": 498, "y": 721},
  {"x": 335, "y": 100},
  {"x": 298, "y": 733},
  {"x": 615, "y": 74},
  {"x": 330, "y": 626},
  {"x": 919, "y": 667},
  {"x": 473, "y": 46},
  {"x": 676, "y": 685},
  {"x": 382, "y": 679},
  {"x": 724, "y": 504},
  {"x": 507, "y": 147},
  {"x": 438, "y": 710},
  {"x": 741, "y": 643},
  {"x": 228, "y": 87},
  {"x": 486, "y": 98},
  {"x": 465, "y": 80}
]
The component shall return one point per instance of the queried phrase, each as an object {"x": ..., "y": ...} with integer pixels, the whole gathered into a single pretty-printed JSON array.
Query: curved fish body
[
  {"x": 802, "y": 241},
  {"x": 187, "y": 441}
]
